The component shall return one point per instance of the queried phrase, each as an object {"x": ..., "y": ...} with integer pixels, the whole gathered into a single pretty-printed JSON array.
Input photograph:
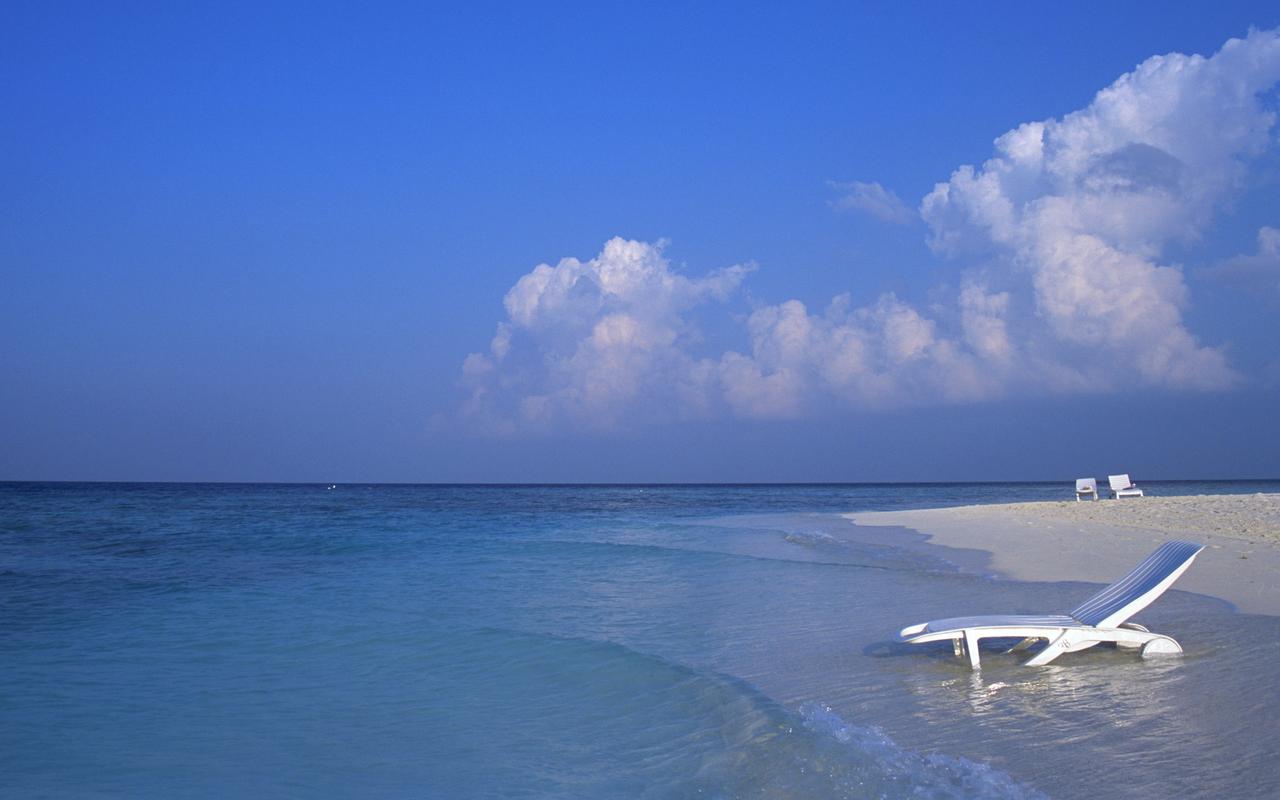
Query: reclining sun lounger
[
  {"x": 1101, "y": 618},
  {"x": 1121, "y": 486}
]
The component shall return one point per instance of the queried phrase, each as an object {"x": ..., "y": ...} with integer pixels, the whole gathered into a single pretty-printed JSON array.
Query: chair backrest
[
  {"x": 1135, "y": 591},
  {"x": 1119, "y": 482},
  {"x": 1086, "y": 485}
]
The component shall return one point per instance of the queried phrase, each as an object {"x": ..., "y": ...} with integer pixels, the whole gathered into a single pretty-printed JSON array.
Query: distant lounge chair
[
  {"x": 1101, "y": 618},
  {"x": 1086, "y": 487},
  {"x": 1121, "y": 486}
]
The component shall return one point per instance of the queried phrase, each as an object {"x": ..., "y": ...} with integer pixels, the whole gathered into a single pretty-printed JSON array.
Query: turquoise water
[{"x": 594, "y": 642}]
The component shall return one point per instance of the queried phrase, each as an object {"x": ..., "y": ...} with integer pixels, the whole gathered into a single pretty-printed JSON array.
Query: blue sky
[{"x": 304, "y": 243}]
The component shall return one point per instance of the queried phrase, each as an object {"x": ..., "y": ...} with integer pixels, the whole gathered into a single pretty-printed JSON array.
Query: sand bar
[{"x": 1098, "y": 541}]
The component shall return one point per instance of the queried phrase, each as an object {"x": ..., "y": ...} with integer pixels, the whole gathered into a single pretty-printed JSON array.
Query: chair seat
[{"x": 1003, "y": 621}]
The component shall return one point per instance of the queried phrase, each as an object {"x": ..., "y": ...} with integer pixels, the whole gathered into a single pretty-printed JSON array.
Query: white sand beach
[{"x": 1098, "y": 541}]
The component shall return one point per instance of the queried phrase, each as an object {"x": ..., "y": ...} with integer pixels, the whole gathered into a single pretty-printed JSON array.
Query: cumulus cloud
[
  {"x": 873, "y": 199},
  {"x": 597, "y": 342},
  {"x": 874, "y": 356},
  {"x": 1062, "y": 285},
  {"x": 611, "y": 341},
  {"x": 1085, "y": 205}
]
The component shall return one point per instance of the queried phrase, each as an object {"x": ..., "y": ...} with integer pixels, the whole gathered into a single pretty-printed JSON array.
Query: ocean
[{"x": 416, "y": 641}]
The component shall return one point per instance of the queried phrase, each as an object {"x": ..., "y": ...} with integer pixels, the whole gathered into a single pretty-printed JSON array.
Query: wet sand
[{"x": 1098, "y": 541}]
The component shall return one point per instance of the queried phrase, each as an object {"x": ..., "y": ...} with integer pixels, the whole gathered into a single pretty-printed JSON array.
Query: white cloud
[
  {"x": 1086, "y": 204},
  {"x": 877, "y": 356},
  {"x": 873, "y": 199},
  {"x": 1068, "y": 221},
  {"x": 983, "y": 320},
  {"x": 625, "y": 275},
  {"x": 598, "y": 342}
]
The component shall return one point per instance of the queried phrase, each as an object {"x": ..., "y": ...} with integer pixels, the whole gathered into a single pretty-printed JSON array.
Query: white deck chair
[
  {"x": 1101, "y": 618},
  {"x": 1121, "y": 486},
  {"x": 1086, "y": 487}
]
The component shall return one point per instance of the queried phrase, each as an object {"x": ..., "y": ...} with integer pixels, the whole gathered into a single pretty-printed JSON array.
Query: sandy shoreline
[{"x": 1098, "y": 541}]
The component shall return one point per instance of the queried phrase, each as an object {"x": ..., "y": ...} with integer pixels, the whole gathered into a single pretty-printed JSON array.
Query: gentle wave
[
  {"x": 883, "y": 769},
  {"x": 620, "y": 722}
]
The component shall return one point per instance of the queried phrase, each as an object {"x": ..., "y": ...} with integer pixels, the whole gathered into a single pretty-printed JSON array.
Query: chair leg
[
  {"x": 971, "y": 644},
  {"x": 1057, "y": 646}
]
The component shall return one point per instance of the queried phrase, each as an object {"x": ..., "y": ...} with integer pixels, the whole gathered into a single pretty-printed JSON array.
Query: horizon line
[{"x": 610, "y": 484}]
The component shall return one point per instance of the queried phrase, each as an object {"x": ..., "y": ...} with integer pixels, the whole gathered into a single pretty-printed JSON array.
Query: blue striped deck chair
[{"x": 1101, "y": 618}]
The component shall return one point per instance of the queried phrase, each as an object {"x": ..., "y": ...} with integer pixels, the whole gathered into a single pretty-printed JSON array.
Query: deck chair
[
  {"x": 1086, "y": 487},
  {"x": 1121, "y": 486},
  {"x": 1101, "y": 618}
]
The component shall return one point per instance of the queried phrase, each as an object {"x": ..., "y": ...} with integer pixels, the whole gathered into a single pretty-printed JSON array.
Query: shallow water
[{"x": 458, "y": 642}]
